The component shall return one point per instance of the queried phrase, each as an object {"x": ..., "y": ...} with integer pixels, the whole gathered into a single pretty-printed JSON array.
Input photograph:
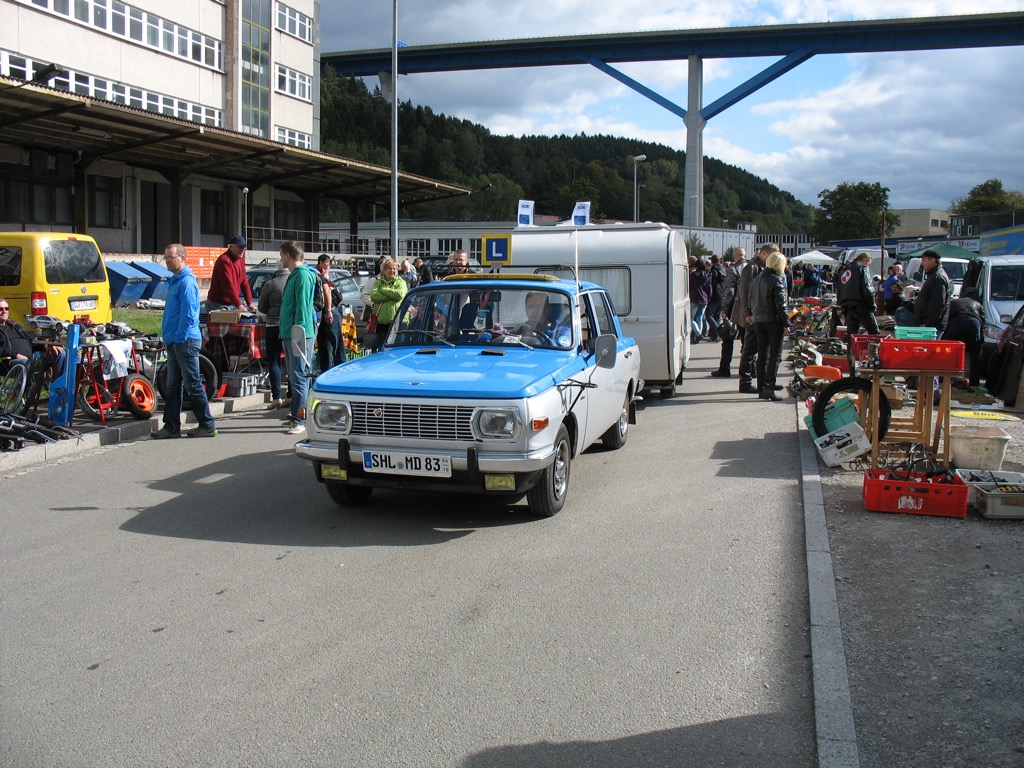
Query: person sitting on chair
[{"x": 16, "y": 344}]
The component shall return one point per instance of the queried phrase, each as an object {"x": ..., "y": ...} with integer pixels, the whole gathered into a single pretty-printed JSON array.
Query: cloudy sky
[{"x": 928, "y": 125}]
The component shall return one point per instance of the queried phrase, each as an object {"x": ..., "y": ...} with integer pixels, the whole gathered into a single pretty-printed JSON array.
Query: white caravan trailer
[{"x": 644, "y": 268}]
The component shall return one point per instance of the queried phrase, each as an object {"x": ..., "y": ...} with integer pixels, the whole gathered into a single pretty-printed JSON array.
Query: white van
[
  {"x": 645, "y": 270},
  {"x": 877, "y": 254},
  {"x": 954, "y": 267},
  {"x": 998, "y": 283}
]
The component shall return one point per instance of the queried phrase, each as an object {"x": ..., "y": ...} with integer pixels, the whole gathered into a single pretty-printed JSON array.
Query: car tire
[
  {"x": 548, "y": 496},
  {"x": 617, "y": 433},
  {"x": 346, "y": 494}
]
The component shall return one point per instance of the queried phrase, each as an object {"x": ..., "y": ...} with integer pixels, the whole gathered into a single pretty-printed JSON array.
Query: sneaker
[
  {"x": 296, "y": 428},
  {"x": 203, "y": 432},
  {"x": 165, "y": 434}
]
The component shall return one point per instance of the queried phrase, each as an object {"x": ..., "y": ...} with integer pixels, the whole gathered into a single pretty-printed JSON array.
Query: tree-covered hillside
[{"x": 555, "y": 171}]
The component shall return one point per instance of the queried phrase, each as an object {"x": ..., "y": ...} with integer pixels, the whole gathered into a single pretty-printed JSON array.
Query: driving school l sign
[{"x": 497, "y": 251}]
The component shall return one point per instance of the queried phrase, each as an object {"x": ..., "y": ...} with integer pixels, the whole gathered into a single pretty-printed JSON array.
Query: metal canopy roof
[
  {"x": 927, "y": 33},
  {"x": 36, "y": 117}
]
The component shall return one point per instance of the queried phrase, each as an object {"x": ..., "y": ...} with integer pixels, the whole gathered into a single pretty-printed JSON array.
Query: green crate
[
  {"x": 838, "y": 414},
  {"x": 916, "y": 333}
]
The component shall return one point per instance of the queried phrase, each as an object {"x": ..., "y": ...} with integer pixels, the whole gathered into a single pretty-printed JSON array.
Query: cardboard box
[{"x": 233, "y": 317}]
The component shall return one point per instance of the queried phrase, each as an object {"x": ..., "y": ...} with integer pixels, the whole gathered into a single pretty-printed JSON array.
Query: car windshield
[
  {"x": 1008, "y": 282},
  {"x": 460, "y": 314},
  {"x": 955, "y": 270},
  {"x": 343, "y": 282}
]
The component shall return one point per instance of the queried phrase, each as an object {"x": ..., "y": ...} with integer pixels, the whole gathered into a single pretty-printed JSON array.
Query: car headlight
[
  {"x": 497, "y": 423},
  {"x": 992, "y": 332},
  {"x": 331, "y": 415}
]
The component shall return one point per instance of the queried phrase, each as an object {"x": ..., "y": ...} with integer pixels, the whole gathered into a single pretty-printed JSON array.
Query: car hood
[
  {"x": 466, "y": 372},
  {"x": 1003, "y": 307}
]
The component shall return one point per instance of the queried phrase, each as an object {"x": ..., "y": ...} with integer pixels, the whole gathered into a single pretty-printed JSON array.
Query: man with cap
[
  {"x": 932, "y": 304},
  {"x": 228, "y": 283}
]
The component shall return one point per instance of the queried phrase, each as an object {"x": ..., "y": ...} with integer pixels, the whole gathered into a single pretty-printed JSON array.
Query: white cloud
[{"x": 929, "y": 125}]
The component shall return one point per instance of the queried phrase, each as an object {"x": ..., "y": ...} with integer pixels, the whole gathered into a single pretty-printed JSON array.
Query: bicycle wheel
[
  {"x": 94, "y": 401},
  {"x": 138, "y": 396},
  {"x": 12, "y": 388},
  {"x": 859, "y": 387}
]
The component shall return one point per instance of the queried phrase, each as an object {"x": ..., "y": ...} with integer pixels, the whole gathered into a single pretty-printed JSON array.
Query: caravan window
[{"x": 615, "y": 279}]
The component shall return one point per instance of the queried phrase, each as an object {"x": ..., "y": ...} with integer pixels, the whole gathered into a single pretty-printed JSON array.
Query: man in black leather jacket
[
  {"x": 932, "y": 304},
  {"x": 856, "y": 297}
]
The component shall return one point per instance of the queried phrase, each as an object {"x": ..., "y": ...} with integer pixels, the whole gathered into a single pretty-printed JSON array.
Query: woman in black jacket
[{"x": 771, "y": 316}]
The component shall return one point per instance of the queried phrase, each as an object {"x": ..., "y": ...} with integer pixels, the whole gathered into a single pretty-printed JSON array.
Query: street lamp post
[{"x": 636, "y": 190}]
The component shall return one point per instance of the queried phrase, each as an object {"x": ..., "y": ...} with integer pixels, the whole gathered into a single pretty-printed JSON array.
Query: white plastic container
[
  {"x": 844, "y": 444},
  {"x": 978, "y": 447}
]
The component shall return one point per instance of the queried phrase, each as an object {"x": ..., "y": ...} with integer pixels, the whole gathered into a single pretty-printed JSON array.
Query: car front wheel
[{"x": 547, "y": 497}]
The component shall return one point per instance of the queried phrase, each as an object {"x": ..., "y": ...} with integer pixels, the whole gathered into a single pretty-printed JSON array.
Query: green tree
[
  {"x": 695, "y": 246},
  {"x": 986, "y": 197},
  {"x": 852, "y": 210}
]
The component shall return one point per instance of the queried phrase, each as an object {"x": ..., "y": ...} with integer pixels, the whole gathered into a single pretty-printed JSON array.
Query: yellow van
[{"x": 54, "y": 273}]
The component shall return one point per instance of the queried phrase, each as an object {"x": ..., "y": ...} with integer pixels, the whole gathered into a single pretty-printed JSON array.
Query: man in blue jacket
[{"x": 180, "y": 329}]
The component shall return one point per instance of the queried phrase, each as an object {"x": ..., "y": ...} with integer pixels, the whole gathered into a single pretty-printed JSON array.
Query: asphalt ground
[{"x": 912, "y": 623}]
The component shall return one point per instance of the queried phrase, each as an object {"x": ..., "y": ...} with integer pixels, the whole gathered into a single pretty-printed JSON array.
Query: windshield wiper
[{"x": 429, "y": 334}]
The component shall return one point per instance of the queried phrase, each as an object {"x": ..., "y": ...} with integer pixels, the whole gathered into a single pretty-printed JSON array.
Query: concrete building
[
  {"x": 171, "y": 121},
  {"x": 921, "y": 222}
]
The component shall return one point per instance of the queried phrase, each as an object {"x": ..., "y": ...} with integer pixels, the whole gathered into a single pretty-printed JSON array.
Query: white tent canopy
[{"x": 814, "y": 257}]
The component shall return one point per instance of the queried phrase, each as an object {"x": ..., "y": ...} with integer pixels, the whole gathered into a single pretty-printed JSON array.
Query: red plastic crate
[
  {"x": 909, "y": 354},
  {"x": 860, "y": 343},
  {"x": 915, "y": 496}
]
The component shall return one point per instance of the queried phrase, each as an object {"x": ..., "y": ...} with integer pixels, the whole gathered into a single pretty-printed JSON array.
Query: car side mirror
[{"x": 604, "y": 348}]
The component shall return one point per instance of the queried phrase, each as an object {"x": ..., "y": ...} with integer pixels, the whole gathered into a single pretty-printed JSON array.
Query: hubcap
[{"x": 560, "y": 475}]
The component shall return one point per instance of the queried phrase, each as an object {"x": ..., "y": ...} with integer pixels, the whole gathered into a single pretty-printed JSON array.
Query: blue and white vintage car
[{"x": 486, "y": 384}]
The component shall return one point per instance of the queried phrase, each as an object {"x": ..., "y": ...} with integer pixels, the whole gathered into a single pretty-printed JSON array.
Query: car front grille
[{"x": 411, "y": 420}]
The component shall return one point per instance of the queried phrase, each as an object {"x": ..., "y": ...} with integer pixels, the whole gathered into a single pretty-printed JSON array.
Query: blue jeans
[
  {"x": 183, "y": 374},
  {"x": 298, "y": 376},
  {"x": 697, "y": 320}
]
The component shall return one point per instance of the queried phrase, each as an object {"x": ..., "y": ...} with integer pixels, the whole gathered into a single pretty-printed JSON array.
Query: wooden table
[{"x": 927, "y": 426}]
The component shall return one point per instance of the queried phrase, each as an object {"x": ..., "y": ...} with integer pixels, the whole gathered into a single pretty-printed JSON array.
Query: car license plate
[
  {"x": 332, "y": 472},
  {"x": 78, "y": 306},
  {"x": 407, "y": 464}
]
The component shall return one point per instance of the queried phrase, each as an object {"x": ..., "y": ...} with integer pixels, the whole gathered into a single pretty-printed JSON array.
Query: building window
[
  {"x": 476, "y": 247},
  {"x": 294, "y": 83},
  {"x": 211, "y": 212},
  {"x": 36, "y": 202},
  {"x": 105, "y": 202},
  {"x": 163, "y": 35},
  {"x": 943, "y": 223},
  {"x": 256, "y": 68},
  {"x": 383, "y": 246},
  {"x": 294, "y": 138},
  {"x": 289, "y": 219},
  {"x": 446, "y": 245},
  {"x": 294, "y": 23},
  {"x": 85, "y": 84},
  {"x": 970, "y": 229},
  {"x": 417, "y": 247}
]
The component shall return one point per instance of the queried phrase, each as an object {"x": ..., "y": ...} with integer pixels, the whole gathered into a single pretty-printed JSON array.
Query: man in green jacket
[{"x": 297, "y": 309}]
